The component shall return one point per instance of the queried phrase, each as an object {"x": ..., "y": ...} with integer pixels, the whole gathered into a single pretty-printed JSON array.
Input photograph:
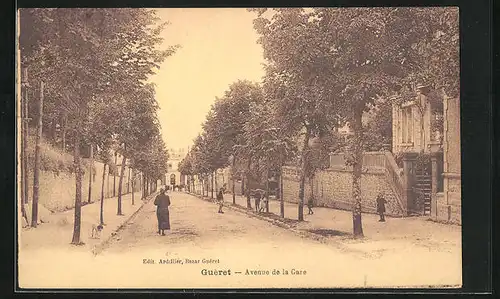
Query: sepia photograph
[{"x": 238, "y": 148}]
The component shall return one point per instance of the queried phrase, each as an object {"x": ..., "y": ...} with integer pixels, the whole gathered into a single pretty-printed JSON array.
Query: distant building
[{"x": 173, "y": 176}]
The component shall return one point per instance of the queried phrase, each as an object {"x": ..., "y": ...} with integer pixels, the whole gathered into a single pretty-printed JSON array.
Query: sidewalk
[
  {"x": 58, "y": 232},
  {"x": 337, "y": 225}
]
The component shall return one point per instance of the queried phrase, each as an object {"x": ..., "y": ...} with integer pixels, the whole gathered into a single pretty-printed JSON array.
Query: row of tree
[
  {"x": 94, "y": 65},
  {"x": 327, "y": 67}
]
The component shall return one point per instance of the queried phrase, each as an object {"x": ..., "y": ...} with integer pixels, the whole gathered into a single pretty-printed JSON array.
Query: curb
[
  {"x": 300, "y": 233},
  {"x": 100, "y": 247}
]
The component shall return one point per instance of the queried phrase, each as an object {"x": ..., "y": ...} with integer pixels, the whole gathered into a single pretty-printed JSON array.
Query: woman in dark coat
[{"x": 162, "y": 201}]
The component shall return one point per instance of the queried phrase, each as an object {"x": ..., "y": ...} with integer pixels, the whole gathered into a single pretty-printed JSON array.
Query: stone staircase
[{"x": 423, "y": 187}]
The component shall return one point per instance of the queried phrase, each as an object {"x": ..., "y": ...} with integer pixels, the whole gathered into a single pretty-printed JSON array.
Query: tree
[
  {"x": 378, "y": 133},
  {"x": 36, "y": 172},
  {"x": 381, "y": 51},
  {"x": 267, "y": 143},
  {"x": 104, "y": 156},
  {"x": 222, "y": 141},
  {"x": 297, "y": 79},
  {"x": 88, "y": 55},
  {"x": 186, "y": 169}
]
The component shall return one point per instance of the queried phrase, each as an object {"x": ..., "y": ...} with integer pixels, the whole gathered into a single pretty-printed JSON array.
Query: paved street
[{"x": 233, "y": 241}]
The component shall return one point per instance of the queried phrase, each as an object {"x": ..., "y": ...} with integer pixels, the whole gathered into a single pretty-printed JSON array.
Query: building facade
[
  {"x": 430, "y": 124},
  {"x": 449, "y": 205},
  {"x": 412, "y": 129},
  {"x": 173, "y": 177}
]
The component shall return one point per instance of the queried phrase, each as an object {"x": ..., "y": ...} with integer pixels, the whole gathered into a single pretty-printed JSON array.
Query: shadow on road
[{"x": 328, "y": 232}]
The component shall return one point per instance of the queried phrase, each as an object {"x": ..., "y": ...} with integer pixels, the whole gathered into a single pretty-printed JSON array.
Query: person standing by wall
[{"x": 381, "y": 206}]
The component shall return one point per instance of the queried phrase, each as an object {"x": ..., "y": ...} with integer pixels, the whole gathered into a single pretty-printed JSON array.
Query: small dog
[{"x": 96, "y": 231}]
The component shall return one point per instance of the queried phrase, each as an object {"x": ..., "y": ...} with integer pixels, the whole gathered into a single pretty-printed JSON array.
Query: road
[{"x": 233, "y": 242}]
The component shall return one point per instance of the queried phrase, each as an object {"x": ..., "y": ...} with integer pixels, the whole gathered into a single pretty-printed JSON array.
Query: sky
[{"x": 218, "y": 46}]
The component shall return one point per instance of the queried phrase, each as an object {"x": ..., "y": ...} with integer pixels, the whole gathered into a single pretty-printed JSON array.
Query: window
[
  {"x": 409, "y": 124},
  {"x": 406, "y": 125},
  {"x": 403, "y": 125}
]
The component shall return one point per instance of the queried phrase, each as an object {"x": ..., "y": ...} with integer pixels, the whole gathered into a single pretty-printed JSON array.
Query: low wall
[
  {"x": 333, "y": 188},
  {"x": 57, "y": 190},
  {"x": 449, "y": 203}
]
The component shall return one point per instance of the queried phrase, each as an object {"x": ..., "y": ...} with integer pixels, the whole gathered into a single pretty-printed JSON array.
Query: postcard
[{"x": 224, "y": 148}]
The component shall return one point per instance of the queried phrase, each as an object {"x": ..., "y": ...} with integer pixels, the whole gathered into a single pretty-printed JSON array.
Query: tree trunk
[
  {"x": 64, "y": 124},
  {"x": 114, "y": 175},
  {"x": 212, "y": 186},
  {"x": 25, "y": 148},
  {"x": 140, "y": 181},
  {"x": 143, "y": 186},
  {"x": 282, "y": 202},
  {"x": 90, "y": 173},
  {"x": 242, "y": 186},
  {"x": 233, "y": 174},
  {"x": 311, "y": 184},
  {"x": 267, "y": 191},
  {"x": 53, "y": 132},
  {"x": 128, "y": 177},
  {"x": 120, "y": 187},
  {"x": 23, "y": 160},
  {"x": 207, "y": 183},
  {"x": 202, "y": 183},
  {"x": 101, "y": 218},
  {"x": 247, "y": 190},
  {"x": 356, "y": 174},
  {"x": 204, "y": 186},
  {"x": 215, "y": 180},
  {"x": 132, "y": 182},
  {"x": 303, "y": 170},
  {"x": 143, "y": 182},
  {"x": 107, "y": 181},
  {"x": 36, "y": 171},
  {"x": 78, "y": 192}
]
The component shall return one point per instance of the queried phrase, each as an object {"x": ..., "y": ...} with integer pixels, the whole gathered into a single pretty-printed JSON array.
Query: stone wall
[
  {"x": 333, "y": 188},
  {"x": 57, "y": 191}
]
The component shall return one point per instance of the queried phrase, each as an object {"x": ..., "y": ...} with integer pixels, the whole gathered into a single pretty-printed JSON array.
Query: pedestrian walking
[
  {"x": 265, "y": 200},
  {"x": 162, "y": 201},
  {"x": 381, "y": 206},
  {"x": 257, "y": 201},
  {"x": 310, "y": 204},
  {"x": 220, "y": 200}
]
